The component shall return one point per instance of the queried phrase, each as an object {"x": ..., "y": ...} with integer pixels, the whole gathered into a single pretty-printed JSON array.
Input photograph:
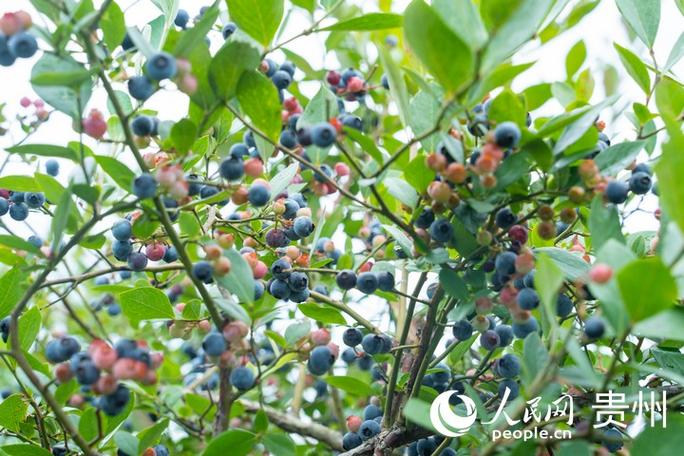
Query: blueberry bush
[{"x": 308, "y": 256}]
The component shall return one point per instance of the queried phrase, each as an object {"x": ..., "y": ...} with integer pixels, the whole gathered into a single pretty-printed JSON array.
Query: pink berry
[
  {"x": 353, "y": 423},
  {"x": 155, "y": 251},
  {"x": 25, "y": 102},
  {"x": 600, "y": 273},
  {"x": 94, "y": 125},
  {"x": 320, "y": 336},
  {"x": 260, "y": 270},
  {"x": 254, "y": 167},
  {"x": 342, "y": 169},
  {"x": 355, "y": 84}
]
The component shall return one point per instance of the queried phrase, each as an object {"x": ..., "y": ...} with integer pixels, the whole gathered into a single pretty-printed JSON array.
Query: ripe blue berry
[
  {"x": 22, "y": 45},
  {"x": 369, "y": 429},
  {"x": 320, "y": 360},
  {"x": 161, "y": 66},
  {"x": 288, "y": 67},
  {"x": 35, "y": 241},
  {"x": 349, "y": 356},
  {"x": 351, "y": 121},
  {"x": 323, "y": 134},
  {"x": 351, "y": 440},
  {"x": 4, "y": 206},
  {"x": 203, "y": 270},
  {"x": 508, "y": 366},
  {"x": 281, "y": 269},
  {"x": 524, "y": 328},
  {"x": 528, "y": 299},
  {"x": 214, "y": 344},
  {"x": 505, "y": 263},
  {"x": 385, "y": 281},
  {"x": 616, "y": 191},
  {"x": 170, "y": 255},
  {"x": 441, "y": 230},
  {"x": 505, "y": 333},
  {"x": 642, "y": 168},
  {"x": 640, "y": 183},
  {"x": 513, "y": 389},
  {"x": 258, "y": 195},
  {"x": 298, "y": 281},
  {"x": 563, "y": 305},
  {"x": 7, "y": 58},
  {"x": 242, "y": 378},
  {"x": 228, "y": 30},
  {"x": 281, "y": 79},
  {"x": 140, "y": 87},
  {"x": 279, "y": 289},
  {"x": 612, "y": 439},
  {"x": 60, "y": 350},
  {"x": 367, "y": 282},
  {"x": 34, "y": 200},
  {"x": 122, "y": 230},
  {"x": 507, "y": 135},
  {"x": 232, "y": 168},
  {"x": 182, "y": 18},
  {"x": 144, "y": 186},
  {"x": 594, "y": 327},
  {"x": 19, "y": 211},
  {"x": 303, "y": 226},
  {"x": 142, "y": 125},
  {"x": 489, "y": 340},
  {"x": 137, "y": 261},
  {"x": 288, "y": 139},
  {"x": 86, "y": 372},
  {"x": 52, "y": 167},
  {"x": 371, "y": 411},
  {"x": 372, "y": 344},
  {"x": 352, "y": 337},
  {"x": 346, "y": 279},
  {"x": 505, "y": 218},
  {"x": 462, "y": 330}
]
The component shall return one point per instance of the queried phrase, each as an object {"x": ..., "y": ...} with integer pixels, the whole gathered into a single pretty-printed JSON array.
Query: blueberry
[
  {"x": 242, "y": 378},
  {"x": 182, "y": 18},
  {"x": 279, "y": 289},
  {"x": 281, "y": 269},
  {"x": 385, "y": 281},
  {"x": 349, "y": 356},
  {"x": 594, "y": 327},
  {"x": 137, "y": 261},
  {"x": 52, "y": 167},
  {"x": 640, "y": 183},
  {"x": 214, "y": 344},
  {"x": 207, "y": 191},
  {"x": 352, "y": 121},
  {"x": 86, "y": 372},
  {"x": 372, "y": 344},
  {"x": 323, "y": 134},
  {"x": 281, "y": 79},
  {"x": 524, "y": 328},
  {"x": 298, "y": 281},
  {"x": 4, "y": 206},
  {"x": 505, "y": 218},
  {"x": 291, "y": 208},
  {"x": 489, "y": 340},
  {"x": 300, "y": 295},
  {"x": 352, "y": 337},
  {"x": 126, "y": 348},
  {"x": 127, "y": 43},
  {"x": 320, "y": 360},
  {"x": 443, "y": 375},
  {"x": 346, "y": 279},
  {"x": 140, "y": 87},
  {"x": 203, "y": 270},
  {"x": 528, "y": 280},
  {"x": 60, "y": 350},
  {"x": 122, "y": 230},
  {"x": 616, "y": 191},
  {"x": 22, "y": 45},
  {"x": 35, "y": 241},
  {"x": 34, "y": 200},
  {"x": 304, "y": 136},
  {"x": 351, "y": 440},
  {"x": 288, "y": 139},
  {"x": 161, "y": 66},
  {"x": 142, "y": 125},
  {"x": 505, "y": 333},
  {"x": 144, "y": 186},
  {"x": 371, "y": 411},
  {"x": 170, "y": 255},
  {"x": 239, "y": 150},
  {"x": 513, "y": 389},
  {"x": 160, "y": 450},
  {"x": 367, "y": 282},
  {"x": 19, "y": 211},
  {"x": 425, "y": 447},
  {"x": 303, "y": 226},
  {"x": 441, "y": 230},
  {"x": 505, "y": 263},
  {"x": 425, "y": 218},
  {"x": 114, "y": 309},
  {"x": 507, "y": 135},
  {"x": 122, "y": 249},
  {"x": 113, "y": 404},
  {"x": 563, "y": 305},
  {"x": 369, "y": 429},
  {"x": 258, "y": 195},
  {"x": 642, "y": 168},
  {"x": 17, "y": 197},
  {"x": 612, "y": 439},
  {"x": 528, "y": 299},
  {"x": 232, "y": 168},
  {"x": 288, "y": 67},
  {"x": 228, "y": 30},
  {"x": 462, "y": 330},
  {"x": 508, "y": 366}
]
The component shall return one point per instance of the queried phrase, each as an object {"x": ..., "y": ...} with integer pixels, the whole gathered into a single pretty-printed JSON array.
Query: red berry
[
  {"x": 333, "y": 78},
  {"x": 355, "y": 84},
  {"x": 155, "y": 251},
  {"x": 600, "y": 273}
]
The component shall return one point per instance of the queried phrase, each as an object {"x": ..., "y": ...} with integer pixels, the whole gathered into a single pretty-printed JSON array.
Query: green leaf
[
  {"x": 18, "y": 243},
  {"x": 453, "y": 284},
  {"x": 660, "y": 440},
  {"x": 150, "y": 436},
  {"x": 520, "y": 25},
  {"x": 577, "y": 125},
  {"x": 418, "y": 411},
  {"x": 236, "y": 442},
  {"x": 635, "y": 67},
  {"x": 141, "y": 43},
  {"x": 18, "y": 183},
  {"x": 323, "y": 314},
  {"x": 195, "y": 35},
  {"x": 24, "y": 449},
  {"x": 126, "y": 442},
  {"x": 548, "y": 281},
  {"x": 309, "y": 5},
  {"x": 575, "y": 58},
  {"x": 43, "y": 150},
  {"x": 283, "y": 179},
  {"x": 119, "y": 172},
  {"x": 676, "y": 53},
  {"x": 647, "y": 287},
  {"x": 573, "y": 266},
  {"x": 425, "y": 108},
  {"x": 507, "y": 106},
  {"x": 535, "y": 357},
  {"x": 464, "y": 20},
  {"x": 258, "y": 18},
  {"x": 370, "y": 21},
  {"x": 240, "y": 280},
  {"x": 66, "y": 78},
  {"x": 669, "y": 171},
  {"x": 604, "y": 223},
  {"x": 643, "y": 16},
  {"x": 617, "y": 157},
  {"x": 401, "y": 190},
  {"x": 664, "y": 325},
  {"x": 437, "y": 46},
  {"x": 669, "y": 359},
  {"x": 87, "y": 424},
  {"x": 60, "y": 219},
  {"x": 145, "y": 303},
  {"x": 12, "y": 285},
  {"x": 296, "y": 331},
  {"x": 113, "y": 26},
  {"x": 351, "y": 385},
  {"x": 397, "y": 85},
  {"x": 228, "y": 64},
  {"x": 259, "y": 100},
  {"x": 401, "y": 239},
  {"x": 280, "y": 444},
  {"x": 63, "y": 99},
  {"x": 29, "y": 327},
  {"x": 13, "y": 412},
  {"x": 183, "y": 134}
]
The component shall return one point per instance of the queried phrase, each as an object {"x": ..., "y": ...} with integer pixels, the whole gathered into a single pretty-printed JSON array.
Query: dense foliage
[{"x": 276, "y": 273}]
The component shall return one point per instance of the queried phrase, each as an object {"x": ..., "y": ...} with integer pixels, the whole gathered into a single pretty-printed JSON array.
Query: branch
[{"x": 346, "y": 309}]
